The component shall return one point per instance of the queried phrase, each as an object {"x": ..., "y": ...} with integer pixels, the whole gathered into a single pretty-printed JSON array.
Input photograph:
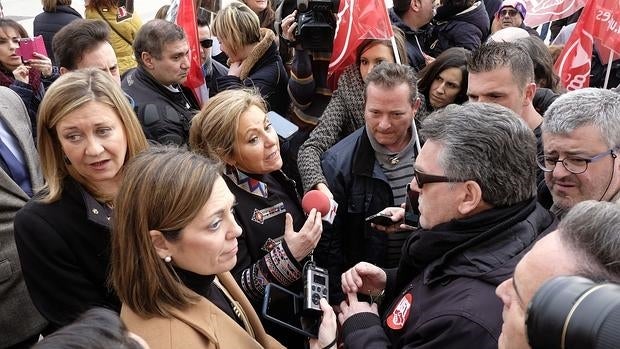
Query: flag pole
[
  {"x": 611, "y": 59},
  {"x": 392, "y": 39}
]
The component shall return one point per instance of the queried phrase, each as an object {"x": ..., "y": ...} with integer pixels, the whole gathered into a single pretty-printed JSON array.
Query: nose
[
  {"x": 93, "y": 147},
  {"x": 559, "y": 171},
  {"x": 501, "y": 291},
  {"x": 14, "y": 44},
  {"x": 384, "y": 124},
  {"x": 185, "y": 62},
  {"x": 235, "y": 230},
  {"x": 441, "y": 88}
]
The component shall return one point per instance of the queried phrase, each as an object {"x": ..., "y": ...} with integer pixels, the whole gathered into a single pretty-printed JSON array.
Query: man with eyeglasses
[
  {"x": 211, "y": 69},
  {"x": 581, "y": 140},
  {"x": 475, "y": 186},
  {"x": 512, "y": 13}
]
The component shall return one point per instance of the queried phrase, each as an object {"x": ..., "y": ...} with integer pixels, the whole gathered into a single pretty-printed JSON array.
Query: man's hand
[
  {"x": 397, "y": 214},
  {"x": 364, "y": 278},
  {"x": 328, "y": 328},
  {"x": 353, "y": 306}
]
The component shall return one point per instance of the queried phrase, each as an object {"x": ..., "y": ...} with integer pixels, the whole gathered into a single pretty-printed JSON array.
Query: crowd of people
[{"x": 135, "y": 214}]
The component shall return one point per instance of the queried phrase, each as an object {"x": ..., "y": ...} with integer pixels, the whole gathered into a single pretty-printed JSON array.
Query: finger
[
  {"x": 352, "y": 298},
  {"x": 406, "y": 227},
  {"x": 328, "y": 312},
  {"x": 288, "y": 224},
  {"x": 348, "y": 283}
]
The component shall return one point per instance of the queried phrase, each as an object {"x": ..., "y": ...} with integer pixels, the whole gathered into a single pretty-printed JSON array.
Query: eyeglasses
[
  {"x": 571, "y": 164},
  {"x": 423, "y": 178},
  {"x": 411, "y": 203},
  {"x": 509, "y": 12},
  {"x": 206, "y": 43}
]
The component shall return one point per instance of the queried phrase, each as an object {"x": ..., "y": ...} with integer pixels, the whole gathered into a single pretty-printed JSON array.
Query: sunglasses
[
  {"x": 423, "y": 178},
  {"x": 509, "y": 12},
  {"x": 206, "y": 43}
]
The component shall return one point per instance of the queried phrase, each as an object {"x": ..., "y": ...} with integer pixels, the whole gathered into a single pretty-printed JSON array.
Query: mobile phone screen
[
  {"x": 284, "y": 307},
  {"x": 284, "y": 128}
]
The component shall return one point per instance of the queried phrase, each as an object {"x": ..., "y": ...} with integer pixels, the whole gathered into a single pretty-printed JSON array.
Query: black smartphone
[
  {"x": 284, "y": 128},
  {"x": 281, "y": 314},
  {"x": 381, "y": 219}
]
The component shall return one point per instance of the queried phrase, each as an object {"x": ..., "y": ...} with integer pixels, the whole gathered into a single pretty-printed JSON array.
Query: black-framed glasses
[
  {"x": 571, "y": 164},
  {"x": 423, "y": 178},
  {"x": 509, "y": 12},
  {"x": 206, "y": 43}
]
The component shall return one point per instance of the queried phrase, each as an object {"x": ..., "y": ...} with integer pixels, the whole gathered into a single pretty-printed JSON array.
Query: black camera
[
  {"x": 316, "y": 281},
  {"x": 316, "y": 24},
  {"x": 572, "y": 312}
]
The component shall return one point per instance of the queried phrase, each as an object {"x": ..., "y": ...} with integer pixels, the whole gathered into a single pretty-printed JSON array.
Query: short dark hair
[
  {"x": 76, "y": 39},
  {"x": 454, "y": 57},
  {"x": 97, "y": 328},
  {"x": 153, "y": 36},
  {"x": 496, "y": 55},
  {"x": 543, "y": 62},
  {"x": 203, "y": 17}
]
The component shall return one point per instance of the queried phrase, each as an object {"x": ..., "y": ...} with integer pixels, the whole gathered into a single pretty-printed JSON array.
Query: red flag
[
  {"x": 186, "y": 19},
  {"x": 543, "y": 11},
  {"x": 357, "y": 20},
  {"x": 599, "y": 20}
]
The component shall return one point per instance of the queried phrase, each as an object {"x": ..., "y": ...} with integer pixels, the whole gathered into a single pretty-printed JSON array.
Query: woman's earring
[{"x": 168, "y": 259}]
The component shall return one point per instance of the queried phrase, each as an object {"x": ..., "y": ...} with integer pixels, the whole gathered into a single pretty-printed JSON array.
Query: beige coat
[{"x": 202, "y": 325}]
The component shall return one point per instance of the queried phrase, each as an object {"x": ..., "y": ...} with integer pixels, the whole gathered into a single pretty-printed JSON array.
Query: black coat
[
  {"x": 164, "y": 115},
  {"x": 64, "y": 252},
  {"x": 47, "y": 24},
  {"x": 415, "y": 41},
  {"x": 468, "y": 29},
  {"x": 451, "y": 303}
]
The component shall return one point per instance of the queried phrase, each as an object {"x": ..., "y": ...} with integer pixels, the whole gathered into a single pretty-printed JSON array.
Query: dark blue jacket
[
  {"x": 415, "y": 39},
  {"x": 361, "y": 189},
  {"x": 452, "y": 302},
  {"x": 47, "y": 24},
  {"x": 467, "y": 29}
]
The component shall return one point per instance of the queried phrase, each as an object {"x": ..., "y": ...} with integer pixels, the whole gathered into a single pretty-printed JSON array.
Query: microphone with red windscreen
[{"x": 318, "y": 200}]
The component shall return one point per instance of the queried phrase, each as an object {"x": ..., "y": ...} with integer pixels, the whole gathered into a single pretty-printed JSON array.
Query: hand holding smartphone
[{"x": 28, "y": 46}]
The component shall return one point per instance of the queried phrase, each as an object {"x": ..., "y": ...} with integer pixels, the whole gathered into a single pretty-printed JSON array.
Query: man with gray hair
[
  {"x": 581, "y": 131},
  {"x": 475, "y": 182},
  {"x": 163, "y": 106},
  {"x": 586, "y": 243}
]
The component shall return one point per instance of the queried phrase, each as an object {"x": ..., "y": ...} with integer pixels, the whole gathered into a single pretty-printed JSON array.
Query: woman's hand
[
  {"x": 364, "y": 278},
  {"x": 327, "y": 330},
  {"x": 353, "y": 306},
  {"x": 41, "y": 63},
  {"x": 288, "y": 26},
  {"x": 322, "y": 187},
  {"x": 21, "y": 73},
  {"x": 303, "y": 242},
  {"x": 235, "y": 69}
]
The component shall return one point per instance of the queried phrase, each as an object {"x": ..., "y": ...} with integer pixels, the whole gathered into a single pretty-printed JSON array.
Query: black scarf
[{"x": 448, "y": 239}]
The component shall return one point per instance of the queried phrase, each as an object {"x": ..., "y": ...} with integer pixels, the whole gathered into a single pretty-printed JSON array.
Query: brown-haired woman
[
  {"x": 86, "y": 132},
  {"x": 174, "y": 243},
  {"x": 277, "y": 237}
]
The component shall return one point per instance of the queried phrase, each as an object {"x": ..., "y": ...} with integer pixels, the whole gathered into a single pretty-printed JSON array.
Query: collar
[
  {"x": 95, "y": 211},
  {"x": 267, "y": 38},
  {"x": 247, "y": 183}
]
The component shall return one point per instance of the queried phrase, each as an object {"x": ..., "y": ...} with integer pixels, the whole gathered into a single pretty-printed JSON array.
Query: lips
[
  {"x": 99, "y": 165},
  {"x": 273, "y": 156}
]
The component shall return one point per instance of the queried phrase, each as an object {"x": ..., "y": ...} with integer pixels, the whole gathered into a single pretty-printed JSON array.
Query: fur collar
[{"x": 267, "y": 37}]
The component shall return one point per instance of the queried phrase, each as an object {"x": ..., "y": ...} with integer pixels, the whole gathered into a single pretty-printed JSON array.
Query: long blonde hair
[{"x": 70, "y": 92}]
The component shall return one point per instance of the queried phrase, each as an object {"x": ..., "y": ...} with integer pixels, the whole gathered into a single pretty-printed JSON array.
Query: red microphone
[{"x": 318, "y": 200}]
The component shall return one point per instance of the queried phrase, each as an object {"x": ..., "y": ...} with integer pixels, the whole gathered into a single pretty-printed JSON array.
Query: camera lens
[{"x": 574, "y": 313}]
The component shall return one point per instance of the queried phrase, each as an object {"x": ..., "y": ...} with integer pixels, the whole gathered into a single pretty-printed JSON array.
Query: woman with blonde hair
[
  {"x": 277, "y": 237},
  {"x": 86, "y": 132},
  {"x": 253, "y": 56},
  {"x": 174, "y": 243}
]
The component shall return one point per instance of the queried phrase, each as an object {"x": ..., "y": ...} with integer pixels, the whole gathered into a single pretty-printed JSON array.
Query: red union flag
[
  {"x": 599, "y": 20},
  {"x": 543, "y": 11},
  {"x": 357, "y": 20},
  {"x": 186, "y": 19}
]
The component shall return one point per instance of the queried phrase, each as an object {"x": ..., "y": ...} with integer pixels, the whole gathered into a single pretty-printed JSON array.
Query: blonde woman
[
  {"x": 277, "y": 237},
  {"x": 252, "y": 54},
  {"x": 86, "y": 133},
  {"x": 174, "y": 243}
]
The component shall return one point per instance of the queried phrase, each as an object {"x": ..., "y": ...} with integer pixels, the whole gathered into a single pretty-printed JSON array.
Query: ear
[
  {"x": 63, "y": 70},
  {"x": 416, "y": 106},
  {"x": 162, "y": 246},
  {"x": 147, "y": 60},
  {"x": 415, "y": 5},
  {"x": 530, "y": 92},
  {"x": 471, "y": 199}
]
